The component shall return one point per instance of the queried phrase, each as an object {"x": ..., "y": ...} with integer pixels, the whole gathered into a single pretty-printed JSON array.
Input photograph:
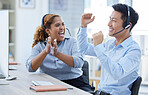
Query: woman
[{"x": 55, "y": 54}]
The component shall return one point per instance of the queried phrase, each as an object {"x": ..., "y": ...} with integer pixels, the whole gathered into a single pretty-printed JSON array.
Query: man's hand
[
  {"x": 48, "y": 46},
  {"x": 98, "y": 38},
  {"x": 86, "y": 19}
]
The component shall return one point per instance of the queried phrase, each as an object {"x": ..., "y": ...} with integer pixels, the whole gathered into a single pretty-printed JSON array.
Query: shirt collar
[
  {"x": 126, "y": 42},
  {"x": 66, "y": 37}
]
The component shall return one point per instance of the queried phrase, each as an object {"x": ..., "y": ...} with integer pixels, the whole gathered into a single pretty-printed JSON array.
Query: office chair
[
  {"x": 136, "y": 86},
  {"x": 85, "y": 70},
  {"x": 134, "y": 89}
]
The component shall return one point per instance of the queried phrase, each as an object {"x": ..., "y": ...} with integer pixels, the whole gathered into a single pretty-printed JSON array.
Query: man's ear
[{"x": 130, "y": 24}]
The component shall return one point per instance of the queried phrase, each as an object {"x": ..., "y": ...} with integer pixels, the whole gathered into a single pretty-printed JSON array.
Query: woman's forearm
[
  {"x": 66, "y": 59},
  {"x": 38, "y": 60}
]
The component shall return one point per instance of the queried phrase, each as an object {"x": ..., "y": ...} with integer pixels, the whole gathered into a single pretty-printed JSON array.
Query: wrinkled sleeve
[
  {"x": 124, "y": 66},
  {"x": 77, "y": 56},
  {"x": 83, "y": 45},
  {"x": 35, "y": 51}
]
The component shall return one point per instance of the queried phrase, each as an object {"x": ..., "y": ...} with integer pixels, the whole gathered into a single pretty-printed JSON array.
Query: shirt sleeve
[
  {"x": 76, "y": 55},
  {"x": 124, "y": 66},
  {"x": 35, "y": 51},
  {"x": 83, "y": 45}
]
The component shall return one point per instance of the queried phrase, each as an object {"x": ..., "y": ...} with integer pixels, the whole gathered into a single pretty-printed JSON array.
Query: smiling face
[
  {"x": 115, "y": 23},
  {"x": 57, "y": 29}
]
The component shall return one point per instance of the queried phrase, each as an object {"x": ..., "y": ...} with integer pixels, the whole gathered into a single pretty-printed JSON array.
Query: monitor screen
[{"x": 4, "y": 41}]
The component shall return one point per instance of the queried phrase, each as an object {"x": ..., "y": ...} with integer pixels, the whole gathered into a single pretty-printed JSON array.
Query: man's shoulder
[
  {"x": 71, "y": 39},
  {"x": 134, "y": 44}
]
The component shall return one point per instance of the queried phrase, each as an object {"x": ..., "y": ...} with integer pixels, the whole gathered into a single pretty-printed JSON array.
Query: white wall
[
  {"x": 27, "y": 19},
  {"x": 141, "y": 26},
  {"x": 70, "y": 11}
]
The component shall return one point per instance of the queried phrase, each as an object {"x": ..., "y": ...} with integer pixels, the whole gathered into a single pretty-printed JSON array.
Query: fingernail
[{"x": 55, "y": 40}]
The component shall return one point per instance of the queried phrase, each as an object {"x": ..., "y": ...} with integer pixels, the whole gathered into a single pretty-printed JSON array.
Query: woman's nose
[{"x": 62, "y": 27}]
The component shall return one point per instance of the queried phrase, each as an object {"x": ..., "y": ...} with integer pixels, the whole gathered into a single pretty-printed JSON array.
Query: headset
[
  {"x": 68, "y": 31},
  {"x": 45, "y": 34},
  {"x": 43, "y": 21},
  {"x": 126, "y": 25}
]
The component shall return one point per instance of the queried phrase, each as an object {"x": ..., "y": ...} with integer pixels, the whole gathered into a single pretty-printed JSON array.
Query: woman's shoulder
[{"x": 39, "y": 44}]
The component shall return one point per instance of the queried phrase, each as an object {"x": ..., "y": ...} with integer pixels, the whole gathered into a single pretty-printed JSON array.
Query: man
[{"x": 120, "y": 57}]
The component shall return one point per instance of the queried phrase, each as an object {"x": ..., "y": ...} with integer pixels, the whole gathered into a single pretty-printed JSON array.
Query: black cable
[{"x": 68, "y": 31}]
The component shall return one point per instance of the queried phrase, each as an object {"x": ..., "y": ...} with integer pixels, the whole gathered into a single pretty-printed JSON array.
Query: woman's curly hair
[{"x": 40, "y": 34}]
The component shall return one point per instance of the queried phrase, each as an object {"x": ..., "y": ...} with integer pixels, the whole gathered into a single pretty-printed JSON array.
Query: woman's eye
[
  {"x": 57, "y": 25},
  {"x": 63, "y": 24}
]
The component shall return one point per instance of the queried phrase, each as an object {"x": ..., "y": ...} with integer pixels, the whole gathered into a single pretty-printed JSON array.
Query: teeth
[{"x": 61, "y": 32}]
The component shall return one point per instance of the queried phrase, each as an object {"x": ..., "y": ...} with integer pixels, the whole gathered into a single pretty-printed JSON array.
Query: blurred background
[{"x": 25, "y": 15}]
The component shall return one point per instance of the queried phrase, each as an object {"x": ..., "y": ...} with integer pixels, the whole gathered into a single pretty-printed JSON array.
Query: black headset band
[
  {"x": 128, "y": 14},
  {"x": 43, "y": 21},
  {"x": 45, "y": 34}
]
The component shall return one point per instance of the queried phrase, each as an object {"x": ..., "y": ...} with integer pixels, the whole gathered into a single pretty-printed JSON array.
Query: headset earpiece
[{"x": 127, "y": 26}]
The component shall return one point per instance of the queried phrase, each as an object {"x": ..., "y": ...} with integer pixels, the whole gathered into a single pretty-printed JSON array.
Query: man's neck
[{"x": 120, "y": 39}]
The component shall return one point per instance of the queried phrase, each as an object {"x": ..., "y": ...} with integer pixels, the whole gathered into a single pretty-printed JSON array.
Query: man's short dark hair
[{"x": 122, "y": 8}]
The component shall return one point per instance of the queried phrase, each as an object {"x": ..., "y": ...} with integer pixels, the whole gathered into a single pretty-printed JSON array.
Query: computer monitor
[{"x": 4, "y": 41}]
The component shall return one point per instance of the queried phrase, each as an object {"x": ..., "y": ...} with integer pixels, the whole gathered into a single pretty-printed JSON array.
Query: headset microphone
[
  {"x": 122, "y": 29},
  {"x": 118, "y": 32},
  {"x": 68, "y": 31}
]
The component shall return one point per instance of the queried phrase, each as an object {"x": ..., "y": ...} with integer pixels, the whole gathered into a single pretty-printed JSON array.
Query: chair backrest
[
  {"x": 85, "y": 70},
  {"x": 136, "y": 86}
]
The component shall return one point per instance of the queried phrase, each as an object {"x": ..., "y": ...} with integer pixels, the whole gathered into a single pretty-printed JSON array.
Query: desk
[{"x": 21, "y": 85}]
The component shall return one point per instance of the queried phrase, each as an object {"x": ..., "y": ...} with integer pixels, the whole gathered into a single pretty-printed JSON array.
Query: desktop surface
[{"x": 21, "y": 85}]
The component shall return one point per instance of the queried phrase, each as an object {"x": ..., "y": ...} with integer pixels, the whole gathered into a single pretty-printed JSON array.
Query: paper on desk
[{"x": 37, "y": 83}]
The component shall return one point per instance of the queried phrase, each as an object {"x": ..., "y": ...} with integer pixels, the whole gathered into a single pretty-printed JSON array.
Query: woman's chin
[{"x": 61, "y": 39}]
